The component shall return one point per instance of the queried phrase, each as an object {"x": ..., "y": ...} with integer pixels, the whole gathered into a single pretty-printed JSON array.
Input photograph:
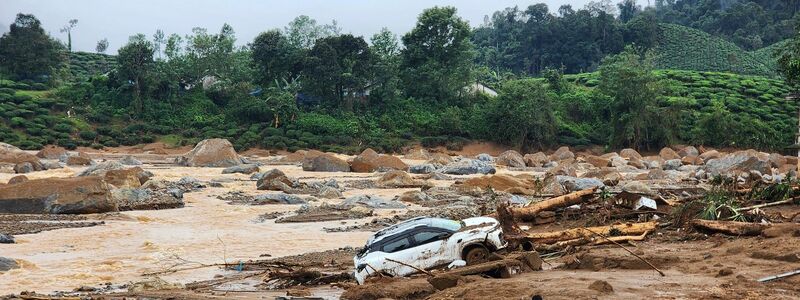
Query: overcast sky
[{"x": 117, "y": 20}]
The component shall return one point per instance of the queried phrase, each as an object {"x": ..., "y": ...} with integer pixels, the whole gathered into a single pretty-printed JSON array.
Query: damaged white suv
[{"x": 426, "y": 243}]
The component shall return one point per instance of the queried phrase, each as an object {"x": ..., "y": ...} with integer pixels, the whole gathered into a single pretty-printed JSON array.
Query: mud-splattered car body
[{"x": 426, "y": 243}]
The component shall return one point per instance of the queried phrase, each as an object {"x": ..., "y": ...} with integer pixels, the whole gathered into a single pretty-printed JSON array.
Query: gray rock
[
  {"x": 422, "y": 169},
  {"x": 146, "y": 199},
  {"x": 518, "y": 200},
  {"x": 129, "y": 160},
  {"x": 576, "y": 184},
  {"x": 23, "y": 167},
  {"x": 328, "y": 192},
  {"x": 51, "y": 165},
  {"x": 637, "y": 187},
  {"x": 739, "y": 162},
  {"x": 672, "y": 164},
  {"x": 484, "y": 157},
  {"x": 468, "y": 166},
  {"x": 101, "y": 168},
  {"x": 279, "y": 199},
  {"x": 551, "y": 164},
  {"x": 243, "y": 169},
  {"x": 6, "y": 239},
  {"x": 325, "y": 163},
  {"x": 7, "y": 264},
  {"x": 370, "y": 202}
]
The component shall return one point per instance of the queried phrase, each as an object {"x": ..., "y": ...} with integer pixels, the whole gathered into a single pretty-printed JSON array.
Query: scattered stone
[
  {"x": 12, "y": 155},
  {"x": 597, "y": 162},
  {"x": 537, "y": 159},
  {"x": 711, "y": 154},
  {"x": 210, "y": 153},
  {"x": 325, "y": 163},
  {"x": 370, "y": 202},
  {"x": 468, "y": 166},
  {"x": 400, "y": 179},
  {"x": 440, "y": 159},
  {"x": 51, "y": 165},
  {"x": 692, "y": 160},
  {"x": 51, "y": 152},
  {"x": 243, "y": 169},
  {"x": 278, "y": 199},
  {"x": 418, "y": 154},
  {"x": 510, "y": 158},
  {"x": 7, "y": 264},
  {"x": 522, "y": 184},
  {"x": 689, "y": 151},
  {"x": 414, "y": 197},
  {"x": 601, "y": 286},
  {"x": 23, "y": 167},
  {"x": 422, "y": 169},
  {"x": 127, "y": 178},
  {"x": 562, "y": 154},
  {"x": 564, "y": 169},
  {"x": 101, "y": 168},
  {"x": 129, "y": 160},
  {"x": 739, "y": 162},
  {"x": 82, "y": 159},
  {"x": 370, "y": 161},
  {"x": 672, "y": 164},
  {"x": 147, "y": 199},
  {"x": 275, "y": 180},
  {"x": 629, "y": 153},
  {"x": 6, "y": 239},
  {"x": 573, "y": 184},
  {"x": 328, "y": 192},
  {"x": 667, "y": 153},
  {"x": 17, "y": 179},
  {"x": 488, "y": 158},
  {"x": 637, "y": 187}
]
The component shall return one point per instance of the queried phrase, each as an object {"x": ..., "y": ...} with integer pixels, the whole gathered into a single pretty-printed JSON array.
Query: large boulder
[
  {"x": 294, "y": 157},
  {"x": 562, "y": 154},
  {"x": 325, "y": 163},
  {"x": 422, "y": 169},
  {"x": 418, "y": 154},
  {"x": 667, "y": 153},
  {"x": 7, "y": 264},
  {"x": 74, "y": 195},
  {"x": 81, "y": 159},
  {"x": 689, "y": 151},
  {"x": 18, "y": 179},
  {"x": 275, "y": 180},
  {"x": 537, "y": 159},
  {"x": 511, "y": 158},
  {"x": 739, "y": 162},
  {"x": 468, "y": 166},
  {"x": 573, "y": 184},
  {"x": 51, "y": 152},
  {"x": 629, "y": 153},
  {"x": 147, "y": 198},
  {"x": 370, "y": 161},
  {"x": 210, "y": 153},
  {"x": 440, "y": 158},
  {"x": 127, "y": 178},
  {"x": 130, "y": 161},
  {"x": 710, "y": 154},
  {"x": 24, "y": 167},
  {"x": 597, "y": 162},
  {"x": 101, "y": 168}
]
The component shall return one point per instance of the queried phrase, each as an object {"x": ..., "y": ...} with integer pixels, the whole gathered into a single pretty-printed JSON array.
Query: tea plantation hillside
[
  {"x": 684, "y": 48},
  {"x": 85, "y": 64}
]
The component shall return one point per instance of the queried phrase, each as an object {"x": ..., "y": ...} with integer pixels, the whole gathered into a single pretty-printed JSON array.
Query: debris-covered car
[{"x": 426, "y": 243}]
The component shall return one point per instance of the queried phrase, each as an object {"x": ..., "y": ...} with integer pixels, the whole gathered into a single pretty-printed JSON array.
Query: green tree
[
  {"x": 68, "y": 29},
  {"x": 135, "y": 63},
  {"x": 26, "y": 51},
  {"x": 627, "y": 10},
  {"x": 274, "y": 57},
  {"x": 522, "y": 115},
  {"x": 303, "y": 31},
  {"x": 789, "y": 62},
  {"x": 338, "y": 69},
  {"x": 386, "y": 67},
  {"x": 158, "y": 41},
  {"x": 437, "y": 60},
  {"x": 628, "y": 79},
  {"x": 102, "y": 46}
]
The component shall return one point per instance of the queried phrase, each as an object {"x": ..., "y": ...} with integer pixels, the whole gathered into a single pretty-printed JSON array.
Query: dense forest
[{"x": 703, "y": 72}]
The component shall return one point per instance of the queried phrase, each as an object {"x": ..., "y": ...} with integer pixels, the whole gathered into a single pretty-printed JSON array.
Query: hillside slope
[{"x": 684, "y": 48}]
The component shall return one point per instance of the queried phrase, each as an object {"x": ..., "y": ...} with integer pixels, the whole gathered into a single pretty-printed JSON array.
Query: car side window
[
  {"x": 424, "y": 237},
  {"x": 396, "y": 245}
]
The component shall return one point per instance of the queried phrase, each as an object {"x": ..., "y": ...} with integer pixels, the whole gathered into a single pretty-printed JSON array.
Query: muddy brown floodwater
[{"x": 129, "y": 244}]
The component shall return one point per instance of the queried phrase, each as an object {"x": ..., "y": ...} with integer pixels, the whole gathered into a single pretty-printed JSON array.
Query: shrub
[{"x": 88, "y": 135}]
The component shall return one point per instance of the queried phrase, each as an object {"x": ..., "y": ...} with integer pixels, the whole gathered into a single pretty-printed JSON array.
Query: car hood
[{"x": 469, "y": 222}]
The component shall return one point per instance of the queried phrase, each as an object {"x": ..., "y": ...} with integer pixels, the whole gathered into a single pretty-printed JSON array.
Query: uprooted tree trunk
[
  {"x": 587, "y": 233},
  {"x": 590, "y": 241},
  {"x": 505, "y": 267},
  {"x": 729, "y": 227},
  {"x": 529, "y": 212}
]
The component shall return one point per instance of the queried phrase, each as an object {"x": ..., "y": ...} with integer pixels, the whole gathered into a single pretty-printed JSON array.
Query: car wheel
[{"x": 476, "y": 255}]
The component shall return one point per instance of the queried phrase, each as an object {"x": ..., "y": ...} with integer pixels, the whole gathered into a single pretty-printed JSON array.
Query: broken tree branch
[
  {"x": 410, "y": 266},
  {"x": 776, "y": 203},
  {"x": 779, "y": 276},
  {"x": 729, "y": 227},
  {"x": 530, "y": 211},
  {"x": 629, "y": 251}
]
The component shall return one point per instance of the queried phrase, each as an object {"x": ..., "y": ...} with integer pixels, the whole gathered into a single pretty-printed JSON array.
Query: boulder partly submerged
[
  {"x": 370, "y": 161},
  {"x": 325, "y": 163},
  {"x": 75, "y": 195},
  {"x": 211, "y": 153}
]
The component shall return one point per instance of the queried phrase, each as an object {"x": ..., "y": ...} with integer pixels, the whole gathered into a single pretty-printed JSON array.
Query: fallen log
[
  {"x": 579, "y": 233},
  {"x": 529, "y": 212},
  {"x": 729, "y": 227},
  {"x": 776, "y": 203},
  {"x": 594, "y": 241}
]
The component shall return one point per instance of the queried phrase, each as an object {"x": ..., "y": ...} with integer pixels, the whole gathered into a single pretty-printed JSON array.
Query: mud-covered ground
[{"x": 227, "y": 242}]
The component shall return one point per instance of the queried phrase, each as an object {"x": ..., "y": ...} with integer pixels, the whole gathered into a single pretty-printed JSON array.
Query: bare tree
[{"x": 68, "y": 29}]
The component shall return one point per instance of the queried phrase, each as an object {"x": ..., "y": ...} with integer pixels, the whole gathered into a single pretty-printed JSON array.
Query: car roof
[{"x": 413, "y": 223}]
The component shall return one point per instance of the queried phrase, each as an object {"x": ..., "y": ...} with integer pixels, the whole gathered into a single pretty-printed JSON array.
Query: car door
[{"x": 431, "y": 246}]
